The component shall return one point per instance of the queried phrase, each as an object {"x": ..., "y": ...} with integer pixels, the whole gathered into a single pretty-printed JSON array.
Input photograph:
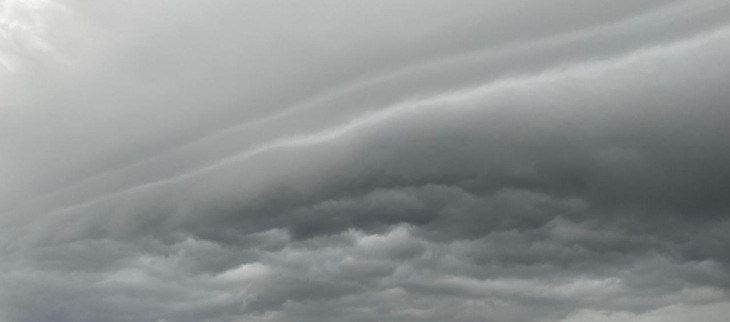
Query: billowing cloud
[{"x": 364, "y": 161}]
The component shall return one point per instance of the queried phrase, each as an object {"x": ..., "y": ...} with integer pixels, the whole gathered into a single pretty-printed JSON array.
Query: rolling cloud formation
[{"x": 408, "y": 160}]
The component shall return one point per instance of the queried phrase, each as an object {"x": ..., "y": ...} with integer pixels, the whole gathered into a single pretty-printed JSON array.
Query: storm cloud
[{"x": 364, "y": 160}]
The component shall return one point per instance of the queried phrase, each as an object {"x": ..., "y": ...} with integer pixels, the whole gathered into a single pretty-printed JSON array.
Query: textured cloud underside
[{"x": 364, "y": 161}]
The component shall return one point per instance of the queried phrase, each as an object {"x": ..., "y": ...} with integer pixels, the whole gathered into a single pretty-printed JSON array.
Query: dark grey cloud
[{"x": 364, "y": 161}]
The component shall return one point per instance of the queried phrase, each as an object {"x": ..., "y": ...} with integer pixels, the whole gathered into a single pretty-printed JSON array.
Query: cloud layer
[{"x": 364, "y": 161}]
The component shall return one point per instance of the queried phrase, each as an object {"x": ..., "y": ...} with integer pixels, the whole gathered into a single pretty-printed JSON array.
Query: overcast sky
[{"x": 364, "y": 160}]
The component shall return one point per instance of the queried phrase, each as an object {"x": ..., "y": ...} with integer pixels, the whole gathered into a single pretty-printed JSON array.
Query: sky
[{"x": 364, "y": 160}]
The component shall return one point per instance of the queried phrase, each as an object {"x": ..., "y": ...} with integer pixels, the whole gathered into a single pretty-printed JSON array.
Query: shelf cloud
[{"x": 364, "y": 160}]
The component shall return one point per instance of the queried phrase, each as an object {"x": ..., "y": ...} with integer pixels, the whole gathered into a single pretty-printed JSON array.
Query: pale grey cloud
[{"x": 364, "y": 161}]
